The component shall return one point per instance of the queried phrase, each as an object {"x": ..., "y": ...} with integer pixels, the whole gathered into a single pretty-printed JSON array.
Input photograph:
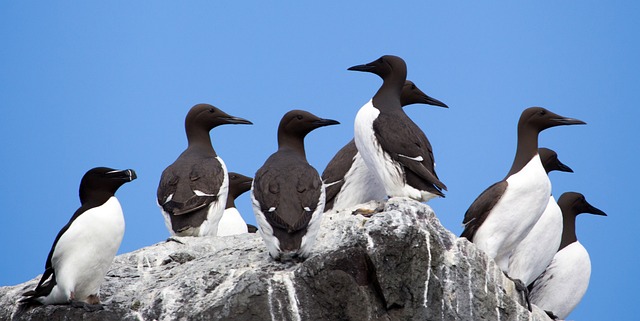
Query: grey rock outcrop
[{"x": 400, "y": 264}]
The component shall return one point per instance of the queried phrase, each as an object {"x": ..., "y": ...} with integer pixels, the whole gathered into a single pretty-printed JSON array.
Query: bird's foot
[
  {"x": 87, "y": 306},
  {"x": 173, "y": 239},
  {"x": 367, "y": 212},
  {"x": 551, "y": 315},
  {"x": 521, "y": 287}
]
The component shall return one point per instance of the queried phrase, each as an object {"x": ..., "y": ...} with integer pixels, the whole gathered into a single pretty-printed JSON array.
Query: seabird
[
  {"x": 287, "y": 193},
  {"x": 193, "y": 190},
  {"x": 391, "y": 145},
  {"x": 347, "y": 179},
  {"x": 232, "y": 222},
  {"x": 502, "y": 216},
  {"x": 536, "y": 251},
  {"x": 564, "y": 282},
  {"x": 84, "y": 249}
]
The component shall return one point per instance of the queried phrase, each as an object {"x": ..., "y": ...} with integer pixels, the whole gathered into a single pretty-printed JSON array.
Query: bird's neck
[
  {"x": 230, "y": 202},
  {"x": 292, "y": 144},
  {"x": 526, "y": 150},
  {"x": 389, "y": 93},
  {"x": 200, "y": 140},
  {"x": 568, "y": 231}
]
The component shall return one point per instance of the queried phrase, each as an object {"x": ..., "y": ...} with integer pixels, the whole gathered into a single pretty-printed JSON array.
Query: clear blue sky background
[{"x": 85, "y": 84}]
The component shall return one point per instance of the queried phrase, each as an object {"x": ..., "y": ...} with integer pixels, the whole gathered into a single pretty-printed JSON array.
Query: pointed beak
[
  {"x": 325, "y": 122},
  {"x": 237, "y": 120},
  {"x": 564, "y": 168},
  {"x": 568, "y": 121},
  {"x": 433, "y": 102},
  {"x": 127, "y": 174},
  {"x": 366, "y": 67},
  {"x": 595, "y": 211}
]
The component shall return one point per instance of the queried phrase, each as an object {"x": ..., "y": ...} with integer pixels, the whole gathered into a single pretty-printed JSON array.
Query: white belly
[
  {"x": 515, "y": 214},
  {"x": 360, "y": 186},
  {"x": 389, "y": 172},
  {"x": 535, "y": 252},
  {"x": 231, "y": 223},
  {"x": 85, "y": 251},
  {"x": 565, "y": 282}
]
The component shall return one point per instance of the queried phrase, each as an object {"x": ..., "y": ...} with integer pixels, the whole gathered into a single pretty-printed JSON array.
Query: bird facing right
[
  {"x": 564, "y": 282},
  {"x": 502, "y": 216}
]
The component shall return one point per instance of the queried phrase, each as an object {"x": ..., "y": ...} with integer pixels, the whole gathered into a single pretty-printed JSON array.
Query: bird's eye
[
  {"x": 413, "y": 87},
  {"x": 543, "y": 112},
  {"x": 212, "y": 110},
  {"x": 299, "y": 117}
]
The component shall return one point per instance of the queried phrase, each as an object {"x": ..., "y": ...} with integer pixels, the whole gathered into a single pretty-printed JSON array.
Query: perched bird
[
  {"x": 502, "y": 216},
  {"x": 564, "y": 282},
  {"x": 287, "y": 193},
  {"x": 347, "y": 179},
  {"x": 391, "y": 145},
  {"x": 193, "y": 190},
  {"x": 536, "y": 251},
  {"x": 232, "y": 222},
  {"x": 84, "y": 249}
]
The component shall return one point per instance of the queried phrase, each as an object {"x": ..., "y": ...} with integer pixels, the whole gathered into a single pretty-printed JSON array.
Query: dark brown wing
[
  {"x": 288, "y": 193},
  {"x": 480, "y": 209},
  {"x": 183, "y": 179},
  {"x": 407, "y": 144},
  {"x": 333, "y": 175}
]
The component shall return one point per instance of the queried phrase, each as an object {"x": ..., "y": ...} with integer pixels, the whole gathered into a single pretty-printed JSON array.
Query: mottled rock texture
[{"x": 400, "y": 264}]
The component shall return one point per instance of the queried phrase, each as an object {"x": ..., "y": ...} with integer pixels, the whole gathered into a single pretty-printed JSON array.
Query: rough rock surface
[{"x": 400, "y": 264}]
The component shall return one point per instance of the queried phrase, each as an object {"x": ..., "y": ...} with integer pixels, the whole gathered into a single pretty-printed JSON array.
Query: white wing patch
[
  {"x": 417, "y": 159},
  {"x": 201, "y": 193}
]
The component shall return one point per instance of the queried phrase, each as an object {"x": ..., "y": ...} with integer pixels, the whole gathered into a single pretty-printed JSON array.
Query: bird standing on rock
[
  {"x": 502, "y": 216},
  {"x": 84, "y": 249},
  {"x": 287, "y": 194},
  {"x": 348, "y": 179},
  {"x": 564, "y": 282},
  {"x": 536, "y": 251},
  {"x": 392, "y": 146},
  {"x": 192, "y": 192},
  {"x": 232, "y": 222}
]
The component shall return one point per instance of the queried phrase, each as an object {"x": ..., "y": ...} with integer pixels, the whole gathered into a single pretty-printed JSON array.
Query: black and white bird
[
  {"x": 84, "y": 249},
  {"x": 347, "y": 179},
  {"x": 232, "y": 222},
  {"x": 392, "y": 146},
  {"x": 535, "y": 252},
  {"x": 564, "y": 282},
  {"x": 193, "y": 190},
  {"x": 287, "y": 193},
  {"x": 502, "y": 216}
]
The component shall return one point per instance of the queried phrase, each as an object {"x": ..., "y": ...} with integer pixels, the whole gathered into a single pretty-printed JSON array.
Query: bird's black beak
[
  {"x": 126, "y": 175},
  {"x": 236, "y": 120},
  {"x": 366, "y": 67},
  {"x": 433, "y": 102},
  {"x": 563, "y": 168},
  {"x": 325, "y": 122},
  {"x": 592, "y": 210},
  {"x": 567, "y": 121}
]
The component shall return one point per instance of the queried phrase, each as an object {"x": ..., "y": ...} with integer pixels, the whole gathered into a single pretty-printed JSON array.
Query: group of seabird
[{"x": 516, "y": 221}]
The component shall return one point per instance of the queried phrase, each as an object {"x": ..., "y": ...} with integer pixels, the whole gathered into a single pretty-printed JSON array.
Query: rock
[{"x": 400, "y": 264}]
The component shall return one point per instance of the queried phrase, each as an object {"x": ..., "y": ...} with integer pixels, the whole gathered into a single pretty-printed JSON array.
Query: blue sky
[{"x": 94, "y": 84}]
